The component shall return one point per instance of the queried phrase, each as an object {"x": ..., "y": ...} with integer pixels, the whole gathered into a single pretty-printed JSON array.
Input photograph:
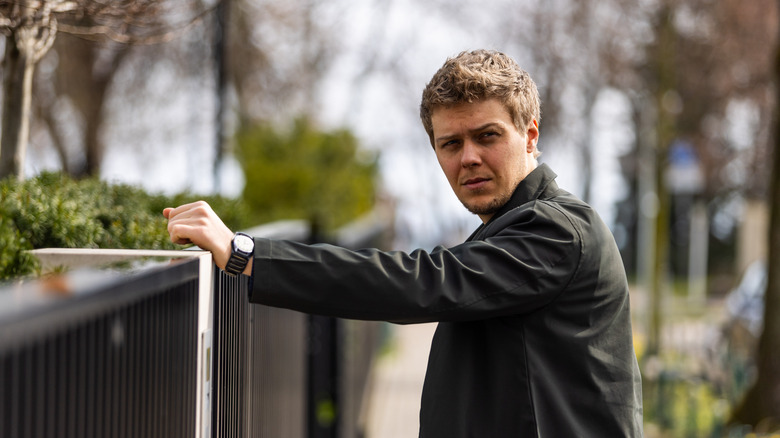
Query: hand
[{"x": 198, "y": 224}]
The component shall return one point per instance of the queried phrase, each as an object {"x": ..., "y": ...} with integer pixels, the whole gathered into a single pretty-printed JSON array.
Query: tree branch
[
  {"x": 90, "y": 32},
  {"x": 44, "y": 42}
]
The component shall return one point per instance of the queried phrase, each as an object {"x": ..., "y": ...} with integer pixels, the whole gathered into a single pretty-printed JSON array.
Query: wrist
[{"x": 221, "y": 258}]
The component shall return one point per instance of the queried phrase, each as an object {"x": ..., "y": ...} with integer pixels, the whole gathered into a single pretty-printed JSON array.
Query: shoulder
[{"x": 561, "y": 213}]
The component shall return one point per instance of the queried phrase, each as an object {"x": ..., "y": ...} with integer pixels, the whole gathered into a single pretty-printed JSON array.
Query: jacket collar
[{"x": 532, "y": 187}]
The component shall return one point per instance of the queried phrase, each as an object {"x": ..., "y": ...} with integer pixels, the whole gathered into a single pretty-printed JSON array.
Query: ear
[{"x": 532, "y": 136}]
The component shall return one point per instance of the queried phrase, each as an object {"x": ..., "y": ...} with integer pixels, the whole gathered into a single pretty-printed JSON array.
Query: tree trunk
[
  {"x": 93, "y": 147},
  {"x": 84, "y": 74},
  {"x": 761, "y": 405},
  {"x": 17, "y": 89},
  {"x": 664, "y": 77}
]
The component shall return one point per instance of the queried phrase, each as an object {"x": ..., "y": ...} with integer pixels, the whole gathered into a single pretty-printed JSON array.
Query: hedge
[{"x": 55, "y": 211}]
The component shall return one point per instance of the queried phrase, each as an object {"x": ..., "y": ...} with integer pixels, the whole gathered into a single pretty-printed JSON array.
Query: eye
[
  {"x": 488, "y": 135},
  {"x": 447, "y": 144}
]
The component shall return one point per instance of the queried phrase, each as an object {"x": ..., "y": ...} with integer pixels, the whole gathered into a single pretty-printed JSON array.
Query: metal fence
[
  {"x": 117, "y": 359},
  {"x": 280, "y": 373},
  {"x": 169, "y": 349}
]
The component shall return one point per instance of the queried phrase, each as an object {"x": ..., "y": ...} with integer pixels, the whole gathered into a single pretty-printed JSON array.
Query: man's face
[{"x": 482, "y": 153}]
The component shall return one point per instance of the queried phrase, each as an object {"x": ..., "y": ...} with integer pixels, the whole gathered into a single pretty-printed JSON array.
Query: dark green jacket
[{"x": 534, "y": 335}]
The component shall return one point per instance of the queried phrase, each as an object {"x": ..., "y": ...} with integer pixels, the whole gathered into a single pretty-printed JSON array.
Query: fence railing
[
  {"x": 96, "y": 353},
  {"x": 280, "y": 373},
  {"x": 166, "y": 346}
]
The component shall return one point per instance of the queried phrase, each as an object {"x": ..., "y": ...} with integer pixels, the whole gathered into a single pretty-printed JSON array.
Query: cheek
[{"x": 448, "y": 167}]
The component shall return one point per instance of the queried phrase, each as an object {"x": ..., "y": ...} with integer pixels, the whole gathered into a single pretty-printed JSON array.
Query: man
[{"x": 534, "y": 336}]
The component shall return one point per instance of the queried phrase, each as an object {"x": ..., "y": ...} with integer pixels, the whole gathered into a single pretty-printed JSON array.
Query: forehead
[{"x": 469, "y": 115}]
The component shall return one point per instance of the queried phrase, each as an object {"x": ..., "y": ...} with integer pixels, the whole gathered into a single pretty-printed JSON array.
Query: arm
[
  {"x": 197, "y": 223},
  {"x": 520, "y": 269}
]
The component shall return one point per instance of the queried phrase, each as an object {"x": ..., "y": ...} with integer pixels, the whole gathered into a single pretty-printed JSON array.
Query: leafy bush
[
  {"x": 300, "y": 174},
  {"x": 14, "y": 260},
  {"x": 54, "y": 211},
  {"x": 306, "y": 173}
]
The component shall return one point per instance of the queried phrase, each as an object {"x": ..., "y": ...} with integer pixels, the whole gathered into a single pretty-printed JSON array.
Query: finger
[
  {"x": 180, "y": 231},
  {"x": 167, "y": 212},
  {"x": 181, "y": 234},
  {"x": 186, "y": 209}
]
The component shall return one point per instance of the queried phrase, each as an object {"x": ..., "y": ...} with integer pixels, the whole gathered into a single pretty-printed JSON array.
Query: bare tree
[
  {"x": 278, "y": 54},
  {"x": 761, "y": 405},
  {"x": 31, "y": 28}
]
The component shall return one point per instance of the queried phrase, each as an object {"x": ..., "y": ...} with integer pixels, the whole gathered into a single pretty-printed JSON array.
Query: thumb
[{"x": 167, "y": 212}]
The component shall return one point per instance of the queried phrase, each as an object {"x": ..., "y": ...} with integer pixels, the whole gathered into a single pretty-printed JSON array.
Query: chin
[
  {"x": 485, "y": 207},
  {"x": 481, "y": 209}
]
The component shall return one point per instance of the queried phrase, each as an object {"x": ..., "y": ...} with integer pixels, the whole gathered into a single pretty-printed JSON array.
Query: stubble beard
[{"x": 490, "y": 207}]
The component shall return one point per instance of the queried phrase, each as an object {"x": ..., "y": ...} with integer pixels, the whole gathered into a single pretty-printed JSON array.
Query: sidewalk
[{"x": 394, "y": 407}]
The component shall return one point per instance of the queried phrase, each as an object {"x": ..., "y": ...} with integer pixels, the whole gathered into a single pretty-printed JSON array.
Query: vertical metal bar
[
  {"x": 250, "y": 380},
  {"x": 180, "y": 403},
  {"x": 89, "y": 382},
  {"x": 190, "y": 380},
  {"x": 39, "y": 385},
  {"x": 236, "y": 363},
  {"x": 148, "y": 342},
  {"x": 216, "y": 391},
  {"x": 163, "y": 382},
  {"x": 229, "y": 354},
  {"x": 141, "y": 358},
  {"x": 124, "y": 395},
  {"x": 50, "y": 378},
  {"x": 72, "y": 373},
  {"x": 241, "y": 391},
  {"x": 179, "y": 350},
  {"x": 110, "y": 387},
  {"x": 100, "y": 357},
  {"x": 14, "y": 417},
  {"x": 129, "y": 354},
  {"x": 4, "y": 414},
  {"x": 60, "y": 421},
  {"x": 81, "y": 383},
  {"x": 54, "y": 419},
  {"x": 153, "y": 370},
  {"x": 166, "y": 378},
  {"x": 232, "y": 352},
  {"x": 26, "y": 383},
  {"x": 113, "y": 380}
]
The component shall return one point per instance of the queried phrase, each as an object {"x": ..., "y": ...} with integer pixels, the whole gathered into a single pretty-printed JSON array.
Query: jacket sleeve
[{"x": 519, "y": 269}]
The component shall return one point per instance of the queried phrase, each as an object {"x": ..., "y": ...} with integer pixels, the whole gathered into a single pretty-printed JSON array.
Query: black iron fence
[
  {"x": 280, "y": 373},
  {"x": 118, "y": 359},
  {"x": 170, "y": 348}
]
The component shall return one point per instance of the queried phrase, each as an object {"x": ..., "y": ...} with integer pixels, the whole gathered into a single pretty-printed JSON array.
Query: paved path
[{"x": 394, "y": 407}]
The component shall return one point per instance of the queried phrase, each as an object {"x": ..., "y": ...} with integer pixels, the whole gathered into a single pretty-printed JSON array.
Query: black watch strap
[{"x": 236, "y": 264}]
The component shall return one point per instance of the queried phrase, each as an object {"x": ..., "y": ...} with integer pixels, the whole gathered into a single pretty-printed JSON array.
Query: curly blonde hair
[{"x": 478, "y": 75}]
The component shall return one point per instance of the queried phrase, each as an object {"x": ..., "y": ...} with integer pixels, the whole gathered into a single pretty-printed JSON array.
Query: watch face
[{"x": 244, "y": 243}]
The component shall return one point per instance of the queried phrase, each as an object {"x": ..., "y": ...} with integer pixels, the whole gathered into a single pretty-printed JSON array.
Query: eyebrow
[{"x": 437, "y": 140}]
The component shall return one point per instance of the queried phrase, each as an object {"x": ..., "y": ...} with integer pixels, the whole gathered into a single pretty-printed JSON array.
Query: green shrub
[
  {"x": 14, "y": 260},
  {"x": 54, "y": 211},
  {"x": 306, "y": 173},
  {"x": 302, "y": 173}
]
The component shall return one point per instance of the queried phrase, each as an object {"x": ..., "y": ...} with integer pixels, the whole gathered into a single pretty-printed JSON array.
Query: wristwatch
[{"x": 242, "y": 248}]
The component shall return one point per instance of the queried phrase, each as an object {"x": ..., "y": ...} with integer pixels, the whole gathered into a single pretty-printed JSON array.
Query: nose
[{"x": 470, "y": 155}]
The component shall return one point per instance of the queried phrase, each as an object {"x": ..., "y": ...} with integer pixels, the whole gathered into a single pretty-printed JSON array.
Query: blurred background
[{"x": 659, "y": 113}]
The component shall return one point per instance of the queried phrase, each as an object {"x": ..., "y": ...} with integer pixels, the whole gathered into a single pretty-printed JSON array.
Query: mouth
[{"x": 475, "y": 183}]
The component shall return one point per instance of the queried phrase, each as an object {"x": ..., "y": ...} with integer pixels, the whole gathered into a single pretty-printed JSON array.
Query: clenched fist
[{"x": 197, "y": 223}]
